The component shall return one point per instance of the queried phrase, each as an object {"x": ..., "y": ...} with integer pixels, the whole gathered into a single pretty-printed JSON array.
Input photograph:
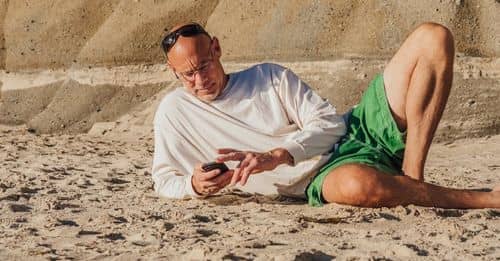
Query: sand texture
[{"x": 90, "y": 197}]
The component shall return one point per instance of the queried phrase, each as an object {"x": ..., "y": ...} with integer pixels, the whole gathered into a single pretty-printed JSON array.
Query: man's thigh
[
  {"x": 372, "y": 139},
  {"x": 398, "y": 73},
  {"x": 358, "y": 184},
  {"x": 397, "y": 77}
]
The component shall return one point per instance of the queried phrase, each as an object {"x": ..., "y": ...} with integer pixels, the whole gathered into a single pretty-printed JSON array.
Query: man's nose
[{"x": 200, "y": 77}]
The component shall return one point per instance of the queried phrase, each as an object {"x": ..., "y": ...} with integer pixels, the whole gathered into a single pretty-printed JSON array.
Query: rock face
[
  {"x": 68, "y": 64},
  {"x": 58, "y": 33},
  {"x": 324, "y": 29}
]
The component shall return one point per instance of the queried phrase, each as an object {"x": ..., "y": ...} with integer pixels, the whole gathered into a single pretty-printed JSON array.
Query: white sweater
[{"x": 261, "y": 108}]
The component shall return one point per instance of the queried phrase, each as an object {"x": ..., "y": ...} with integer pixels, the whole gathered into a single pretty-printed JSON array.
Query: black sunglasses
[{"x": 186, "y": 31}]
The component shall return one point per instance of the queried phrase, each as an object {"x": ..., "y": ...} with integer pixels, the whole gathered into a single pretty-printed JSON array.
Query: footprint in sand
[
  {"x": 20, "y": 208},
  {"x": 113, "y": 236},
  {"x": 64, "y": 222}
]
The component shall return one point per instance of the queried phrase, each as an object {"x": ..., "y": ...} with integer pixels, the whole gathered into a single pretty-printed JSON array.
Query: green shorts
[{"x": 372, "y": 138}]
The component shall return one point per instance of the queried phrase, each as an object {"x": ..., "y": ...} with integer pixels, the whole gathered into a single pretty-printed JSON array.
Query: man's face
[{"x": 196, "y": 61}]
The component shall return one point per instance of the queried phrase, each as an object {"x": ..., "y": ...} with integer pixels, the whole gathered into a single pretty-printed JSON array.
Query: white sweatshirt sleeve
[
  {"x": 321, "y": 127},
  {"x": 168, "y": 181}
]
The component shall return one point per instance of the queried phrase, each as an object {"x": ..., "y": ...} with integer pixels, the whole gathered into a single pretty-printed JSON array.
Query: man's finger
[
  {"x": 208, "y": 184},
  {"x": 220, "y": 179},
  {"x": 236, "y": 176},
  {"x": 226, "y": 181},
  {"x": 215, "y": 185},
  {"x": 209, "y": 175},
  {"x": 248, "y": 170},
  {"x": 235, "y": 155},
  {"x": 244, "y": 178},
  {"x": 226, "y": 150},
  {"x": 244, "y": 165}
]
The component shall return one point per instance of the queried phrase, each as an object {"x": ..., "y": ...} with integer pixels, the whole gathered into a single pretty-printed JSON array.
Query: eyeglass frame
[{"x": 206, "y": 64}]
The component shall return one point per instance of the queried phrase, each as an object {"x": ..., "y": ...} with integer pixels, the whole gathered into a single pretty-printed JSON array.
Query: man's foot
[{"x": 496, "y": 188}]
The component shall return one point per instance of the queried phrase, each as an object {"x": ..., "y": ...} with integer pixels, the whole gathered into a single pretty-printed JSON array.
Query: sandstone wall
[
  {"x": 73, "y": 100},
  {"x": 60, "y": 33}
]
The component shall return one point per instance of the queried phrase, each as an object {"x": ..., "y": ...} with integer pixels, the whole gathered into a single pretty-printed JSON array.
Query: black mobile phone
[{"x": 214, "y": 165}]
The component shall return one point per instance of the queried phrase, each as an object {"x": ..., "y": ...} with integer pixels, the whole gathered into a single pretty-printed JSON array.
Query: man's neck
[{"x": 224, "y": 84}]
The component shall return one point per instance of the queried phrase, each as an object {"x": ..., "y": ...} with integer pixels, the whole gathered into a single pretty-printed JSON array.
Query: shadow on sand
[{"x": 237, "y": 197}]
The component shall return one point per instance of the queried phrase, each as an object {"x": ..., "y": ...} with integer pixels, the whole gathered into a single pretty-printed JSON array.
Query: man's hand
[
  {"x": 210, "y": 182},
  {"x": 253, "y": 162}
]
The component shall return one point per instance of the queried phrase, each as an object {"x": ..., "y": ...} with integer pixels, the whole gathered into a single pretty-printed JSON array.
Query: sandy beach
[
  {"x": 76, "y": 178},
  {"x": 90, "y": 197}
]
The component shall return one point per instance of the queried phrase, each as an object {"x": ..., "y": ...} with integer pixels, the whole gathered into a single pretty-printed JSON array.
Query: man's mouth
[{"x": 207, "y": 88}]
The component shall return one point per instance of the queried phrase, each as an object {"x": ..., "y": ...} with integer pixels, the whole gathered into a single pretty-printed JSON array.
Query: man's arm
[
  {"x": 253, "y": 162},
  {"x": 168, "y": 181},
  {"x": 320, "y": 125}
]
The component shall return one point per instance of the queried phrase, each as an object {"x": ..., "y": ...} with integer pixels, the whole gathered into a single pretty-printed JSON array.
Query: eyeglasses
[
  {"x": 186, "y": 31},
  {"x": 190, "y": 75}
]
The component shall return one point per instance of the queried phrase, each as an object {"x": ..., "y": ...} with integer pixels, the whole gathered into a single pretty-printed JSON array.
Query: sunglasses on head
[{"x": 186, "y": 31}]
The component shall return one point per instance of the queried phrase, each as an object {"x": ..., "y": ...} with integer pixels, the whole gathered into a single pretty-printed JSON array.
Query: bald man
[{"x": 279, "y": 137}]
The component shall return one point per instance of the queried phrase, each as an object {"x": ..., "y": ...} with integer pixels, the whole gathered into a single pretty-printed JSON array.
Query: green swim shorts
[{"x": 372, "y": 138}]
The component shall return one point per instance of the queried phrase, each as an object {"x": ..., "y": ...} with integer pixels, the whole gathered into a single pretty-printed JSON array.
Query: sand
[
  {"x": 76, "y": 182},
  {"x": 89, "y": 196}
]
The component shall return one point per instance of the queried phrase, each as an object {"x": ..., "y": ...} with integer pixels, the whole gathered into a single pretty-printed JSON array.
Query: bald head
[
  {"x": 187, "y": 45},
  {"x": 182, "y": 30},
  {"x": 194, "y": 57},
  {"x": 181, "y": 25}
]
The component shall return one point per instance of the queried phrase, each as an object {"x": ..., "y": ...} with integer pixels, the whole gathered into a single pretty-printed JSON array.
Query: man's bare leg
[
  {"x": 417, "y": 82},
  {"x": 360, "y": 185}
]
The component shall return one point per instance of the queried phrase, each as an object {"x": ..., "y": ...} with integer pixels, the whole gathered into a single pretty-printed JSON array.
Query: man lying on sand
[{"x": 279, "y": 136}]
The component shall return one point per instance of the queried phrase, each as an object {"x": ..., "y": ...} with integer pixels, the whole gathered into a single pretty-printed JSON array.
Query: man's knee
[
  {"x": 436, "y": 39},
  {"x": 352, "y": 185}
]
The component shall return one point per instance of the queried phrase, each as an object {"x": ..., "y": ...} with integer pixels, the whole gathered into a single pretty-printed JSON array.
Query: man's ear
[{"x": 216, "y": 47}]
